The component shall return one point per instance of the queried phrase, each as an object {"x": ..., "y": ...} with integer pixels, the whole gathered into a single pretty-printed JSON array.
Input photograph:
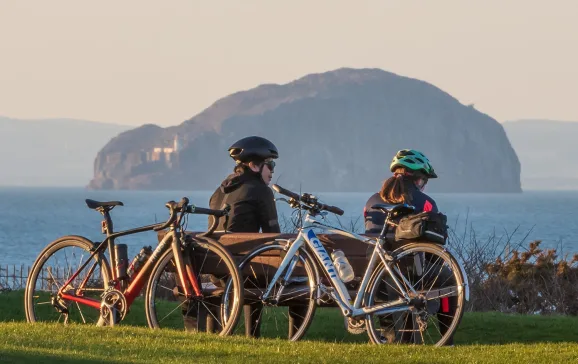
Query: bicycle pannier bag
[{"x": 430, "y": 226}]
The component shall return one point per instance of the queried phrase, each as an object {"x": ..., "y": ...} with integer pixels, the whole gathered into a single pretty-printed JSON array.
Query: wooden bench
[{"x": 239, "y": 244}]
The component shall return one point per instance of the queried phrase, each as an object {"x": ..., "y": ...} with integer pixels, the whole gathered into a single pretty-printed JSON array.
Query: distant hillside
[
  {"x": 336, "y": 131},
  {"x": 547, "y": 150},
  {"x": 51, "y": 152}
]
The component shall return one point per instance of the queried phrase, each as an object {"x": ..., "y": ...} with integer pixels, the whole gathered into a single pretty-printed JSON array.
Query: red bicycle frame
[{"x": 184, "y": 265}]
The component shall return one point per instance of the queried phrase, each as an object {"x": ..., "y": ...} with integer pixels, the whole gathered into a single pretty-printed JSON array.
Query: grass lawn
[{"x": 481, "y": 338}]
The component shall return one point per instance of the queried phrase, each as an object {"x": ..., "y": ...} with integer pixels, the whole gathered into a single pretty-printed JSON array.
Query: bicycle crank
[
  {"x": 354, "y": 326},
  {"x": 113, "y": 307}
]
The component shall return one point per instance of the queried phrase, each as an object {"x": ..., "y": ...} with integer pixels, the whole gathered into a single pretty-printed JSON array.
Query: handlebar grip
[
  {"x": 285, "y": 192},
  {"x": 169, "y": 221},
  {"x": 204, "y": 211},
  {"x": 336, "y": 210},
  {"x": 184, "y": 202},
  {"x": 173, "y": 207}
]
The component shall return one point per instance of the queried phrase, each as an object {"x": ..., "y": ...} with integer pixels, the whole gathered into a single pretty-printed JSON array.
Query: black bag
[{"x": 430, "y": 226}]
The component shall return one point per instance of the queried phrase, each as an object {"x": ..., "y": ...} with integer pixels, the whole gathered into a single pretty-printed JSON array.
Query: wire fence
[{"x": 13, "y": 276}]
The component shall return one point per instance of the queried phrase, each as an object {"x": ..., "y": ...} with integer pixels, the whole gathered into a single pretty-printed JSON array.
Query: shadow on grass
[
  {"x": 487, "y": 328},
  {"x": 40, "y": 357},
  {"x": 483, "y": 328}
]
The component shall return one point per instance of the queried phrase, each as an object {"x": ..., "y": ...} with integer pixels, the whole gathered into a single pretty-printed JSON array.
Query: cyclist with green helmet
[{"x": 411, "y": 171}]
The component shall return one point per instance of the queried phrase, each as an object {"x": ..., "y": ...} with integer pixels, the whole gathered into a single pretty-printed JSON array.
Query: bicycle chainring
[{"x": 113, "y": 307}]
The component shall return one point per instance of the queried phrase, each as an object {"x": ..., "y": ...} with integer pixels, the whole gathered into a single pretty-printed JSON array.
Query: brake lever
[{"x": 281, "y": 199}]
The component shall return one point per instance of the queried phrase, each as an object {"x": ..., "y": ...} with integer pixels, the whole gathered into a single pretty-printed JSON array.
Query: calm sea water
[{"x": 32, "y": 217}]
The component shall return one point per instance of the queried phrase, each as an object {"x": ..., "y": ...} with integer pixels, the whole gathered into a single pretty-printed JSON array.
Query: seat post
[
  {"x": 385, "y": 228},
  {"x": 107, "y": 225}
]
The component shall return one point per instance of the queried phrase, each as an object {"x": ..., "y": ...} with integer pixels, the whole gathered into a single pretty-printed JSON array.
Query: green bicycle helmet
[{"x": 413, "y": 160}]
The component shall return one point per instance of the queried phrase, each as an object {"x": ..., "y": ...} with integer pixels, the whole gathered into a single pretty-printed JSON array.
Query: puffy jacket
[
  {"x": 252, "y": 204},
  {"x": 374, "y": 219}
]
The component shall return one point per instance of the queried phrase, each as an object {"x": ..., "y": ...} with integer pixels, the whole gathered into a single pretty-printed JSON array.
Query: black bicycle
[{"x": 72, "y": 280}]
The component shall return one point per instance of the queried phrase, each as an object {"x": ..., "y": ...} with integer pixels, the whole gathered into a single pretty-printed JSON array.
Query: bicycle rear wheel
[
  {"x": 437, "y": 304},
  {"x": 291, "y": 306},
  {"x": 166, "y": 305},
  {"x": 54, "y": 266}
]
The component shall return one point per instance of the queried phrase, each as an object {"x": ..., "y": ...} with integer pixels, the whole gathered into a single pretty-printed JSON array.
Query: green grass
[{"x": 481, "y": 338}]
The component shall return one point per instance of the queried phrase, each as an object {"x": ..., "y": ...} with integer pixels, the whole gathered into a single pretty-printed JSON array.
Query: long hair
[
  {"x": 241, "y": 168},
  {"x": 396, "y": 189}
]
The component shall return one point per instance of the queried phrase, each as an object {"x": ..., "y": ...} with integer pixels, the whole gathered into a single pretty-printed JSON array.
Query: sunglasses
[
  {"x": 270, "y": 164},
  {"x": 421, "y": 185}
]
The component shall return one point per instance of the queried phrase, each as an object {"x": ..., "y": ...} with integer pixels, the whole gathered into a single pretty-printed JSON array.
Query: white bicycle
[{"x": 413, "y": 294}]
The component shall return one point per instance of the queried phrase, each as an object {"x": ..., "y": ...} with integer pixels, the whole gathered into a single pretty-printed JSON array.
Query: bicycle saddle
[
  {"x": 92, "y": 204},
  {"x": 396, "y": 210}
]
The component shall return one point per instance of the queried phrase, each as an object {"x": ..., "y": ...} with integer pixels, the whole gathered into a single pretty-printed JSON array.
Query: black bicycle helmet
[{"x": 253, "y": 148}]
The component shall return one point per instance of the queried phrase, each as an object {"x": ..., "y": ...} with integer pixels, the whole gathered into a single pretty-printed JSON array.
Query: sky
[{"x": 135, "y": 62}]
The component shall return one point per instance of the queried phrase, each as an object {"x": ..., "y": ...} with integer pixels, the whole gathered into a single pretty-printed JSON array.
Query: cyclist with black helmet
[
  {"x": 252, "y": 204},
  {"x": 247, "y": 189},
  {"x": 411, "y": 171}
]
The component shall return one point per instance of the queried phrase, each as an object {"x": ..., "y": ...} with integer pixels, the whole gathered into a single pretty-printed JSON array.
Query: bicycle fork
[{"x": 185, "y": 270}]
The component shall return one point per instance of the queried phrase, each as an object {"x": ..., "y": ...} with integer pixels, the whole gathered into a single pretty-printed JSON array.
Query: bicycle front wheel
[
  {"x": 289, "y": 309},
  {"x": 54, "y": 266},
  {"x": 167, "y": 306},
  {"x": 432, "y": 279}
]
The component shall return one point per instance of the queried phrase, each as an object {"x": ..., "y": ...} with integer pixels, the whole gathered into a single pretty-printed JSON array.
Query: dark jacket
[
  {"x": 375, "y": 219},
  {"x": 252, "y": 204}
]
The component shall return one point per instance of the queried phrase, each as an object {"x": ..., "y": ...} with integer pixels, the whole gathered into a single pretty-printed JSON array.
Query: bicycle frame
[
  {"x": 188, "y": 280},
  {"x": 342, "y": 298}
]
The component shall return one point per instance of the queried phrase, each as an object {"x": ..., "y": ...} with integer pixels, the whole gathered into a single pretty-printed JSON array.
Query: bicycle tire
[
  {"x": 33, "y": 295},
  {"x": 442, "y": 299},
  {"x": 298, "y": 317},
  {"x": 160, "y": 299}
]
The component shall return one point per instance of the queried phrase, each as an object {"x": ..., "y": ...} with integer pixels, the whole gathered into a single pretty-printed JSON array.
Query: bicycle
[
  {"x": 413, "y": 294},
  {"x": 72, "y": 280}
]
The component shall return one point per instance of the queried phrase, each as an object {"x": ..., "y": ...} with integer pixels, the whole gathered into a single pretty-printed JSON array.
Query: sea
[{"x": 30, "y": 218}]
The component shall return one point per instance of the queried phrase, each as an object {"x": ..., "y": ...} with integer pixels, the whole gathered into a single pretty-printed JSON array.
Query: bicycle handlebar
[
  {"x": 285, "y": 192},
  {"x": 336, "y": 210},
  {"x": 200, "y": 210},
  {"x": 184, "y": 207},
  {"x": 215, "y": 224},
  {"x": 307, "y": 199}
]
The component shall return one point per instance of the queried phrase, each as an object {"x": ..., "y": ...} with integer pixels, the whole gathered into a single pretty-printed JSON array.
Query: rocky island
[{"x": 335, "y": 131}]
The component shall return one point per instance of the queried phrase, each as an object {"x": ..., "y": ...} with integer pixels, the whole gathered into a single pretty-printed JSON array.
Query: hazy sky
[{"x": 136, "y": 62}]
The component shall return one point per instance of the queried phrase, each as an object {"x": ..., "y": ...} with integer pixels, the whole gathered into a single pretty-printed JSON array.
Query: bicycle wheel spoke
[
  {"x": 211, "y": 312},
  {"x": 80, "y": 311},
  {"x": 176, "y": 308}
]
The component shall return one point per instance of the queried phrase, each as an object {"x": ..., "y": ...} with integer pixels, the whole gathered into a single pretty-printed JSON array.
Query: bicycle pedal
[{"x": 355, "y": 327}]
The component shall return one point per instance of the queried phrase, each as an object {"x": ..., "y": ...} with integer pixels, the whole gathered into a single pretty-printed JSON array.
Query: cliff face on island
[{"x": 335, "y": 131}]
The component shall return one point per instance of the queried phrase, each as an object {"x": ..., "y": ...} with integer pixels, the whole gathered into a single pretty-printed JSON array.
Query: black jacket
[
  {"x": 375, "y": 219},
  {"x": 252, "y": 204}
]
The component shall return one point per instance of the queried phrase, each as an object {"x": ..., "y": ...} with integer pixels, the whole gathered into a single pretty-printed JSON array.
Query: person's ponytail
[{"x": 395, "y": 189}]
